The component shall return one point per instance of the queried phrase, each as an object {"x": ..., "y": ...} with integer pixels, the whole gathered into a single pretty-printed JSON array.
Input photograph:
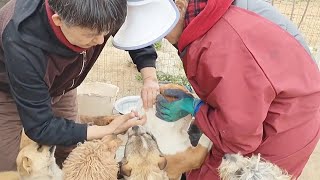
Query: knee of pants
[{"x": 9, "y": 149}]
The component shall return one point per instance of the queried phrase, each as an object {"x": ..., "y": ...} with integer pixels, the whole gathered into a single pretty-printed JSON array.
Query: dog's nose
[
  {"x": 230, "y": 157},
  {"x": 227, "y": 156},
  {"x": 135, "y": 128}
]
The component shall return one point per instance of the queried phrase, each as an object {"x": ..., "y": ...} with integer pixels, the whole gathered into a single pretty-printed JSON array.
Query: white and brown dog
[{"x": 173, "y": 141}]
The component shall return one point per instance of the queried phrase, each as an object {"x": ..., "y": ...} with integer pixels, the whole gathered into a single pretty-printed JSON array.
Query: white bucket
[{"x": 96, "y": 98}]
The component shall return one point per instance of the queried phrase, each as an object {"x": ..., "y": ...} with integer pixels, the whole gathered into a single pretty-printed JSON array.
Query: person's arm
[
  {"x": 33, "y": 101},
  {"x": 238, "y": 101},
  {"x": 150, "y": 88},
  {"x": 30, "y": 92},
  {"x": 145, "y": 60},
  {"x": 144, "y": 57}
]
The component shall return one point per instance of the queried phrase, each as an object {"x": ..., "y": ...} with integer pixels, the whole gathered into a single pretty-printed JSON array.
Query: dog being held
[
  {"x": 238, "y": 167},
  {"x": 170, "y": 139},
  {"x": 142, "y": 157},
  {"x": 174, "y": 142},
  {"x": 35, "y": 162}
]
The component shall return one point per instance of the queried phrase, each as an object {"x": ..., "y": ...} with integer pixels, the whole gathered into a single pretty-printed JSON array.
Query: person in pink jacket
[{"x": 258, "y": 87}]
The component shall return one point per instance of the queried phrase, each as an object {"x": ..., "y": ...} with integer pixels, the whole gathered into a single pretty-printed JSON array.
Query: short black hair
[{"x": 100, "y": 15}]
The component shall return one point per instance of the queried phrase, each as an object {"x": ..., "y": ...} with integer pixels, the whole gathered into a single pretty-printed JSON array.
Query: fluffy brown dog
[{"x": 93, "y": 160}]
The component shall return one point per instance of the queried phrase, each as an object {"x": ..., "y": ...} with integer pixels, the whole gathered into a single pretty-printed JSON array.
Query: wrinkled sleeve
[
  {"x": 144, "y": 57},
  {"x": 33, "y": 100},
  {"x": 239, "y": 96}
]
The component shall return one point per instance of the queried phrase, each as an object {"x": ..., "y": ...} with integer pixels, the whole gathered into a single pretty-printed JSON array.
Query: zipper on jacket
[{"x": 84, "y": 60}]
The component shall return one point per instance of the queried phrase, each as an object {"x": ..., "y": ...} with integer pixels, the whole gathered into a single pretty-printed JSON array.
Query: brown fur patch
[
  {"x": 143, "y": 159},
  {"x": 93, "y": 160},
  {"x": 185, "y": 161},
  {"x": 97, "y": 120},
  {"x": 172, "y": 86}
]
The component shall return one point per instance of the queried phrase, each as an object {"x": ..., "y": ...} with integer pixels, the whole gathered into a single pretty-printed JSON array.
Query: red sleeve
[{"x": 238, "y": 96}]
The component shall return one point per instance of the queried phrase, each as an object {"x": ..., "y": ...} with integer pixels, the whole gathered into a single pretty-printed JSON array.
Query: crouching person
[{"x": 258, "y": 86}]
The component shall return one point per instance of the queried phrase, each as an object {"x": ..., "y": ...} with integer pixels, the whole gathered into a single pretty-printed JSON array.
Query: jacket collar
[
  {"x": 201, "y": 24},
  {"x": 57, "y": 31}
]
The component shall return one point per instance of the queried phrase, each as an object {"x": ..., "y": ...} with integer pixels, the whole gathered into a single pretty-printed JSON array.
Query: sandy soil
[
  {"x": 312, "y": 169},
  {"x": 115, "y": 66}
]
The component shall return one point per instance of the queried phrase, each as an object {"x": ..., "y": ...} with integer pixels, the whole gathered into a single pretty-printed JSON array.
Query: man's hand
[
  {"x": 122, "y": 123},
  {"x": 150, "y": 88},
  {"x": 119, "y": 125},
  {"x": 172, "y": 111}
]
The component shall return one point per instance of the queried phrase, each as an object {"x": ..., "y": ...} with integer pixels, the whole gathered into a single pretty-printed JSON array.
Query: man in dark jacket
[{"x": 47, "y": 49}]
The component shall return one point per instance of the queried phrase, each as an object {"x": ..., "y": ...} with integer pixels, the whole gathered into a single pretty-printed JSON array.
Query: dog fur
[
  {"x": 97, "y": 120},
  {"x": 238, "y": 167},
  {"x": 143, "y": 159},
  {"x": 93, "y": 160},
  {"x": 35, "y": 162},
  {"x": 9, "y": 175},
  {"x": 173, "y": 141},
  {"x": 84, "y": 148}
]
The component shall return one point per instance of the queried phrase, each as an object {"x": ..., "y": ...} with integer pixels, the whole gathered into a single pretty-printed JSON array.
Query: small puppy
[
  {"x": 238, "y": 167},
  {"x": 35, "y": 162},
  {"x": 142, "y": 157}
]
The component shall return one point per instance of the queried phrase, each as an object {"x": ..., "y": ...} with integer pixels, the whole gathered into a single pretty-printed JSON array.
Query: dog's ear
[
  {"x": 162, "y": 162},
  {"x": 125, "y": 169},
  {"x": 25, "y": 166},
  {"x": 165, "y": 87}
]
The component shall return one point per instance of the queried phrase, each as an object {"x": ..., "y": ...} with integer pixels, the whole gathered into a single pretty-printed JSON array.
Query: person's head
[
  {"x": 174, "y": 35},
  {"x": 85, "y": 22}
]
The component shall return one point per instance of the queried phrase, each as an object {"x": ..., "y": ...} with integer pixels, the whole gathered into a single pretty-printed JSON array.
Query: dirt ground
[{"x": 312, "y": 169}]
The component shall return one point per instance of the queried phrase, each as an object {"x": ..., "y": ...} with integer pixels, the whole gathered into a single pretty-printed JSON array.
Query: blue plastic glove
[{"x": 172, "y": 111}]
